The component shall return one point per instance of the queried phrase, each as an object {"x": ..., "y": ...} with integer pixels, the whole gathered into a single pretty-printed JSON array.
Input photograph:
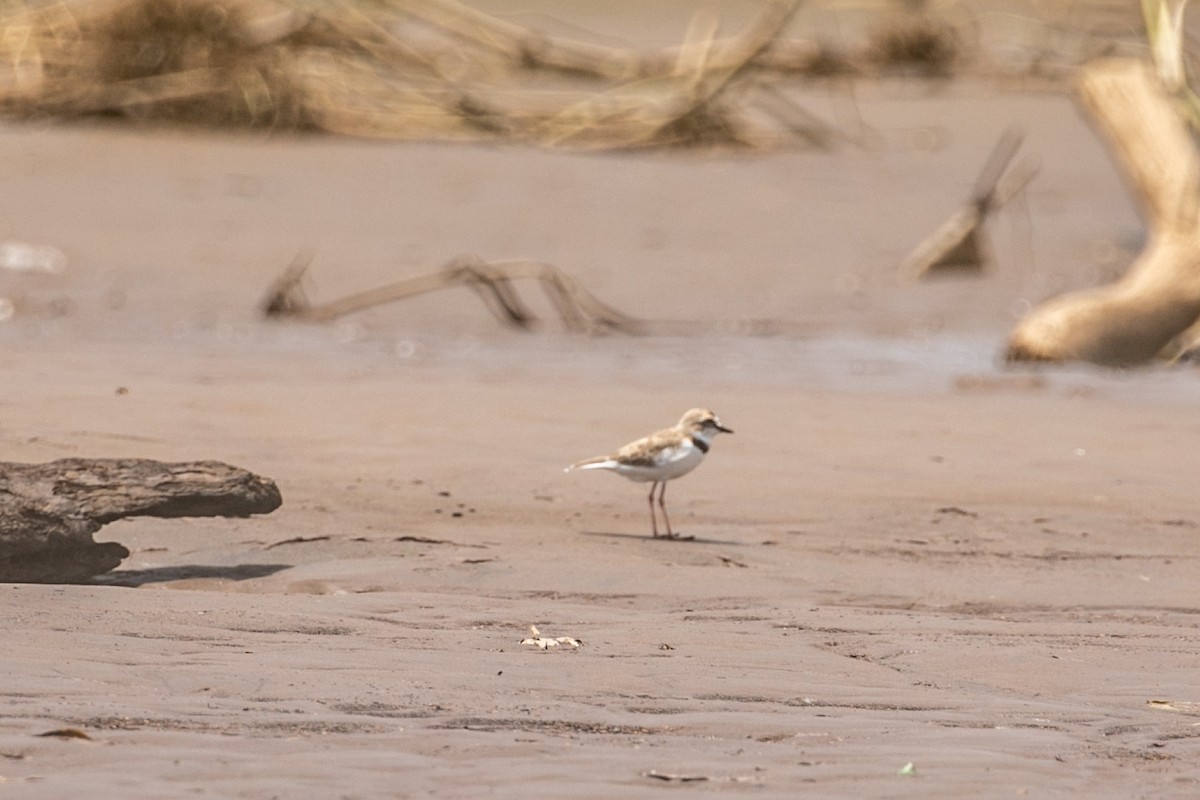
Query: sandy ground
[{"x": 904, "y": 555}]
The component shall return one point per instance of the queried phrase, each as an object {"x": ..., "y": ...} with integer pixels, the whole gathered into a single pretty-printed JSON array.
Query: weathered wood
[
  {"x": 48, "y": 512},
  {"x": 578, "y": 308},
  {"x": 1133, "y": 319}
]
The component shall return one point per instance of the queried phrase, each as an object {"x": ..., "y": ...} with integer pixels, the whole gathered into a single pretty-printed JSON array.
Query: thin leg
[
  {"x": 662, "y": 493},
  {"x": 653, "y": 521}
]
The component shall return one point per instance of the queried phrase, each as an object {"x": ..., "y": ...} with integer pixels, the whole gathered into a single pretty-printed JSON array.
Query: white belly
[{"x": 672, "y": 463}]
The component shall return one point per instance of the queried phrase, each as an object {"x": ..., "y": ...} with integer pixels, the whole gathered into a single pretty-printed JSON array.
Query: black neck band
[{"x": 701, "y": 445}]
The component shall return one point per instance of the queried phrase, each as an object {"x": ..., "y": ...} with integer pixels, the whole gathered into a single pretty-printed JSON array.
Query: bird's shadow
[
  {"x": 672, "y": 539},
  {"x": 140, "y": 577}
]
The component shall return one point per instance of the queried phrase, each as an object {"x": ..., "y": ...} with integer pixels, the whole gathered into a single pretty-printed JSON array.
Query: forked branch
[{"x": 578, "y": 308}]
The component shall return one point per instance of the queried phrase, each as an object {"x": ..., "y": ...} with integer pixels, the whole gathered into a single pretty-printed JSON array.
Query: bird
[{"x": 662, "y": 456}]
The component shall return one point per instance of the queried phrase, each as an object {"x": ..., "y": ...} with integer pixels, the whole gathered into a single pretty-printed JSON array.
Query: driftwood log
[
  {"x": 48, "y": 512},
  {"x": 1133, "y": 319}
]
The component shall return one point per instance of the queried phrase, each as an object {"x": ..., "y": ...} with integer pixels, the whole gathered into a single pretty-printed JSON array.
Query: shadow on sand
[
  {"x": 140, "y": 577},
  {"x": 676, "y": 539}
]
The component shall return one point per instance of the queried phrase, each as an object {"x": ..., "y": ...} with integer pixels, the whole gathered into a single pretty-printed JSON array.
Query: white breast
[{"x": 671, "y": 462}]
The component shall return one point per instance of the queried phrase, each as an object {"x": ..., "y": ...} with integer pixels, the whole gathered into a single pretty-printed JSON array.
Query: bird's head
[{"x": 701, "y": 420}]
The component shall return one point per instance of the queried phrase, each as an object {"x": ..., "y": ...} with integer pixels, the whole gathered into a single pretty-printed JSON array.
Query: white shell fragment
[
  {"x": 22, "y": 257},
  {"x": 545, "y": 643}
]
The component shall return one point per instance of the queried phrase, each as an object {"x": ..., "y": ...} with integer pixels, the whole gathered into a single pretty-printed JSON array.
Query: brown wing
[{"x": 642, "y": 452}]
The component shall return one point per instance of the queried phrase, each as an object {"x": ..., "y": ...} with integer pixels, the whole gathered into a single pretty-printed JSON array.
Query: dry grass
[
  {"x": 438, "y": 69},
  {"x": 920, "y": 46},
  {"x": 397, "y": 69}
]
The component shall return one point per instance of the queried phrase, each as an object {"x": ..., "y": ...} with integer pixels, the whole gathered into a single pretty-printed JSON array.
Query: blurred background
[{"x": 744, "y": 169}]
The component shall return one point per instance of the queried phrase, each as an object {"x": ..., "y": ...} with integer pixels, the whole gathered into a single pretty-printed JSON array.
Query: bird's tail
[{"x": 599, "y": 462}]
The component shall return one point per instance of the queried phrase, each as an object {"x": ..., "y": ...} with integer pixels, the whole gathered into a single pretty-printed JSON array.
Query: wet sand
[{"x": 906, "y": 554}]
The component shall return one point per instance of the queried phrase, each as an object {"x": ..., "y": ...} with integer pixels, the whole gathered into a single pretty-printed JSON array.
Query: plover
[{"x": 661, "y": 456}]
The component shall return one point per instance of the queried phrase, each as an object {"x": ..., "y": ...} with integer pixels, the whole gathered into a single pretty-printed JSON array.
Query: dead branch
[
  {"x": 959, "y": 244},
  {"x": 578, "y": 309},
  {"x": 494, "y": 282},
  {"x": 48, "y": 512},
  {"x": 1131, "y": 320}
]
